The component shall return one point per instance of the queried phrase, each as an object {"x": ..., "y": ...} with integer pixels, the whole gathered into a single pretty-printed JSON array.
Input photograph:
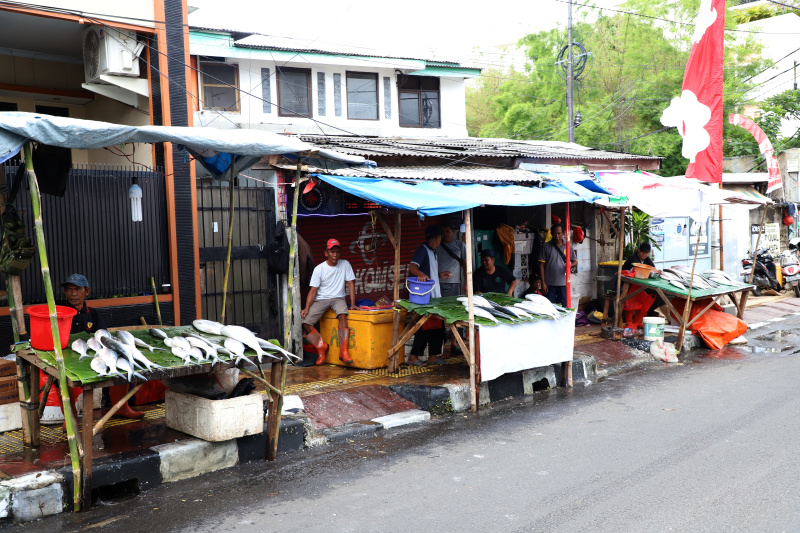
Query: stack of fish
[
  {"x": 533, "y": 308},
  {"x": 120, "y": 355},
  {"x": 681, "y": 276}
]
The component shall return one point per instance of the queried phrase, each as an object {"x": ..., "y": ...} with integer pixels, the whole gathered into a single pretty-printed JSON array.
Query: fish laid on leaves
[
  {"x": 235, "y": 347},
  {"x": 99, "y": 366},
  {"x": 183, "y": 354},
  {"x": 109, "y": 358},
  {"x": 483, "y": 313},
  {"x": 94, "y": 345},
  {"x": 209, "y": 326},
  {"x": 100, "y": 334},
  {"x": 245, "y": 336},
  {"x": 207, "y": 351},
  {"x": 80, "y": 347},
  {"x": 125, "y": 366},
  {"x": 158, "y": 333},
  {"x": 121, "y": 348}
]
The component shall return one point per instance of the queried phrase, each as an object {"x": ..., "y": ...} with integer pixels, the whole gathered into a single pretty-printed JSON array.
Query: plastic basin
[{"x": 41, "y": 334}]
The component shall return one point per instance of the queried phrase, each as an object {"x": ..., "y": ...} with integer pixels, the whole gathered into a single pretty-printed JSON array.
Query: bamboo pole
[
  {"x": 619, "y": 264},
  {"x": 754, "y": 253},
  {"x": 230, "y": 242},
  {"x": 155, "y": 298},
  {"x": 394, "y": 359},
  {"x": 688, "y": 305},
  {"x": 473, "y": 372},
  {"x": 51, "y": 306}
]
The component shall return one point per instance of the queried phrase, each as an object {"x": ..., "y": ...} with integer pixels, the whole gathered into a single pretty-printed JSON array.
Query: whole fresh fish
[
  {"x": 120, "y": 347},
  {"x": 140, "y": 359},
  {"x": 207, "y": 351},
  {"x": 498, "y": 314},
  {"x": 158, "y": 333},
  {"x": 109, "y": 357},
  {"x": 678, "y": 284},
  {"x": 181, "y": 342},
  {"x": 539, "y": 310},
  {"x": 272, "y": 347},
  {"x": 99, "y": 366},
  {"x": 141, "y": 344},
  {"x": 124, "y": 365},
  {"x": 198, "y": 354},
  {"x": 80, "y": 347},
  {"x": 100, "y": 333},
  {"x": 209, "y": 326},
  {"x": 179, "y": 352},
  {"x": 666, "y": 275},
  {"x": 235, "y": 347},
  {"x": 126, "y": 337},
  {"x": 94, "y": 345},
  {"x": 477, "y": 299},
  {"x": 544, "y": 306},
  {"x": 479, "y": 311},
  {"x": 684, "y": 268},
  {"x": 245, "y": 336},
  {"x": 511, "y": 310}
]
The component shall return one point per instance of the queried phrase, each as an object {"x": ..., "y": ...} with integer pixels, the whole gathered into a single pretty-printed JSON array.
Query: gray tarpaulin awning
[{"x": 16, "y": 128}]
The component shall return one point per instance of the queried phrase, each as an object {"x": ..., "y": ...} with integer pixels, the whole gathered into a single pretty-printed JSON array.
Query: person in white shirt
[{"x": 328, "y": 292}]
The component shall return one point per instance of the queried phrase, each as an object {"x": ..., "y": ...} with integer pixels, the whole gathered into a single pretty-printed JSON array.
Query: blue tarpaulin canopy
[
  {"x": 17, "y": 128},
  {"x": 431, "y": 198}
]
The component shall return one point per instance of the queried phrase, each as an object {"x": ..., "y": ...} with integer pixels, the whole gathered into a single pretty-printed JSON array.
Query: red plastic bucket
[{"x": 41, "y": 334}]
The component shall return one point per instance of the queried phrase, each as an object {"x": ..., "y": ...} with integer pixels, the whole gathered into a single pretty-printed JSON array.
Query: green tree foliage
[{"x": 636, "y": 67}]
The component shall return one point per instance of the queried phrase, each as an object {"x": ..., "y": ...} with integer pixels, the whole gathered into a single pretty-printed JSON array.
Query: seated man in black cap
[
  {"x": 492, "y": 277},
  {"x": 88, "y": 320}
]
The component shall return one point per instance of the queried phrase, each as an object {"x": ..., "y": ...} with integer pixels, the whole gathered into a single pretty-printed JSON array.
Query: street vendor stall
[{"x": 220, "y": 151}]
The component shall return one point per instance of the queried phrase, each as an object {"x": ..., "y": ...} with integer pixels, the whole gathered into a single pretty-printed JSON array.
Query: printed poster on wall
[
  {"x": 770, "y": 238},
  {"x": 702, "y": 247}
]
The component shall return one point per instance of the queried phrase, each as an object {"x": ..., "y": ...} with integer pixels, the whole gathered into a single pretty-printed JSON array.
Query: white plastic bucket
[{"x": 653, "y": 328}]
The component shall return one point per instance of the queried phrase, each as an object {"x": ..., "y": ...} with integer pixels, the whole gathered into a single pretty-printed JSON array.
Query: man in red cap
[{"x": 328, "y": 292}]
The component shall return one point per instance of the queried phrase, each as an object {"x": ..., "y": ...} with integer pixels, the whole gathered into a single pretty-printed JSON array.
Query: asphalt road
[{"x": 706, "y": 446}]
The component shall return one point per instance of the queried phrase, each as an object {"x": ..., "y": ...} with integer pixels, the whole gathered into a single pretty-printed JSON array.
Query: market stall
[
  {"x": 220, "y": 151},
  {"x": 430, "y": 198}
]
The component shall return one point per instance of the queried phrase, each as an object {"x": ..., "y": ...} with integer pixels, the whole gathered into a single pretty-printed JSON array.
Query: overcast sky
[{"x": 451, "y": 29}]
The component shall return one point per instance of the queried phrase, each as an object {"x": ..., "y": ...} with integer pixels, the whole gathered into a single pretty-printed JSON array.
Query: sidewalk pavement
[{"x": 326, "y": 405}]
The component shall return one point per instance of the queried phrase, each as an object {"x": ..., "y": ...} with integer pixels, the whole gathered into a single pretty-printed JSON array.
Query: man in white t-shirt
[{"x": 327, "y": 292}]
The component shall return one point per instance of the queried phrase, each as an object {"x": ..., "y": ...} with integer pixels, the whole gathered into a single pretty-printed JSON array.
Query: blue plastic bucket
[{"x": 419, "y": 292}]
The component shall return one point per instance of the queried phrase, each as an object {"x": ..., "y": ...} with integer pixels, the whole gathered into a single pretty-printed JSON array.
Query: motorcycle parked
[
  {"x": 790, "y": 265},
  {"x": 765, "y": 277}
]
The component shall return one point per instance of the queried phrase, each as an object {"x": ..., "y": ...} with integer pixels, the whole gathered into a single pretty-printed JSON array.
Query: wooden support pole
[
  {"x": 88, "y": 433},
  {"x": 473, "y": 371},
  {"x": 111, "y": 412},
  {"x": 45, "y": 392},
  {"x": 621, "y": 235},
  {"x": 394, "y": 358},
  {"x": 231, "y": 211},
  {"x": 263, "y": 381},
  {"x": 72, "y": 438}
]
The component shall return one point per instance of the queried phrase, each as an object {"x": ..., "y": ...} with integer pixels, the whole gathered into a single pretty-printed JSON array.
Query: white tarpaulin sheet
[
  {"x": 16, "y": 128},
  {"x": 511, "y": 348}
]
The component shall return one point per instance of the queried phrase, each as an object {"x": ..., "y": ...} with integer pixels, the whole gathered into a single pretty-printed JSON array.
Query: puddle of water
[{"x": 778, "y": 336}]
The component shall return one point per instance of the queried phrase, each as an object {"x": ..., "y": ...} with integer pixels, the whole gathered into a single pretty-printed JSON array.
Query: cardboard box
[
  {"x": 7, "y": 368},
  {"x": 9, "y": 392},
  {"x": 10, "y": 417}
]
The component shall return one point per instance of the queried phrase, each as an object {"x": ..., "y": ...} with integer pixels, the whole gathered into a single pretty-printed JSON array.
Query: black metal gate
[{"x": 252, "y": 301}]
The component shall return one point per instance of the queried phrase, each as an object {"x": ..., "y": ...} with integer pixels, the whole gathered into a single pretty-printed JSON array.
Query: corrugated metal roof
[
  {"x": 470, "y": 174},
  {"x": 462, "y": 147}
]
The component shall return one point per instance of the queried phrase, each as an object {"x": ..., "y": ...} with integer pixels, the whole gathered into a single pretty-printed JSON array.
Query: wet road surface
[{"x": 706, "y": 446}]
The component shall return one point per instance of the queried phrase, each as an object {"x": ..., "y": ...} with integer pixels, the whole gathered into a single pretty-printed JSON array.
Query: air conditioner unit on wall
[{"x": 108, "y": 51}]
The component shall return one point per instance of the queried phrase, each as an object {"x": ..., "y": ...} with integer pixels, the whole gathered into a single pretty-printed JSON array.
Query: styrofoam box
[
  {"x": 522, "y": 247},
  {"x": 215, "y": 420},
  {"x": 10, "y": 417}
]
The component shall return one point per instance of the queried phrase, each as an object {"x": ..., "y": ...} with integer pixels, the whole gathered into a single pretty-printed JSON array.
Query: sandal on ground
[{"x": 417, "y": 363}]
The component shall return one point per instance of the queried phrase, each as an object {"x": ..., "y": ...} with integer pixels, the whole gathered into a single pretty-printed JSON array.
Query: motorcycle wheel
[
  {"x": 756, "y": 291},
  {"x": 797, "y": 290}
]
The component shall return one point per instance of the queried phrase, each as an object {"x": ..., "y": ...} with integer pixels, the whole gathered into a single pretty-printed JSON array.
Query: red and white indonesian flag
[
  {"x": 764, "y": 144},
  {"x": 697, "y": 112}
]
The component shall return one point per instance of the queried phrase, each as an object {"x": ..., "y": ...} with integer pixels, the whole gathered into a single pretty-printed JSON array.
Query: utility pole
[{"x": 569, "y": 75}]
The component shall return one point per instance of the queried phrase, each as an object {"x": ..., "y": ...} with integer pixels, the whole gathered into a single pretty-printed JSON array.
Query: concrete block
[
  {"x": 10, "y": 417},
  {"x": 535, "y": 376},
  {"x": 353, "y": 431},
  {"x": 412, "y": 416},
  {"x": 730, "y": 309},
  {"x": 32, "y": 481},
  {"x": 483, "y": 394},
  {"x": 427, "y": 397},
  {"x": 5, "y": 502},
  {"x": 459, "y": 395},
  {"x": 311, "y": 436},
  {"x": 215, "y": 420},
  {"x": 27, "y": 505},
  {"x": 506, "y": 386},
  {"x": 190, "y": 458}
]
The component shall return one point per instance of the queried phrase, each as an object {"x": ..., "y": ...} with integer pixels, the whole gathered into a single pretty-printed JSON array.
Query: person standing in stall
[
  {"x": 425, "y": 266},
  {"x": 452, "y": 260},
  {"x": 553, "y": 266}
]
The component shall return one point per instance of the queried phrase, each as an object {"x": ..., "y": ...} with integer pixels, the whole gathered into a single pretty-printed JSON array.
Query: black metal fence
[{"x": 90, "y": 231}]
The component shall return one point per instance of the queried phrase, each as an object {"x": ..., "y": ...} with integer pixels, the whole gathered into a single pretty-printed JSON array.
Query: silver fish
[
  {"x": 140, "y": 359},
  {"x": 94, "y": 345},
  {"x": 208, "y": 326},
  {"x": 100, "y": 333},
  {"x": 124, "y": 365},
  {"x": 182, "y": 354},
  {"x": 677, "y": 284},
  {"x": 120, "y": 347},
  {"x": 482, "y": 313},
  {"x": 99, "y": 366},
  {"x": 126, "y": 337},
  {"x": 272, "y": 347},
  {"x": 208, "y": 351},
  {"x": 181, "y": 342},
  {"x": 109, "y": 357},
  {"x": 198, "y": 354},
  {"x": 158, "y": 333},
  {"x": 245, "y": 336},
  {"x": 80, "y": 346},
  {"x": 141, "y": 344}
]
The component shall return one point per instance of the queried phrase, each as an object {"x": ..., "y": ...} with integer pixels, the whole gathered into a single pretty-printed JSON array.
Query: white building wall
[{"x": 253, "y": 116}]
